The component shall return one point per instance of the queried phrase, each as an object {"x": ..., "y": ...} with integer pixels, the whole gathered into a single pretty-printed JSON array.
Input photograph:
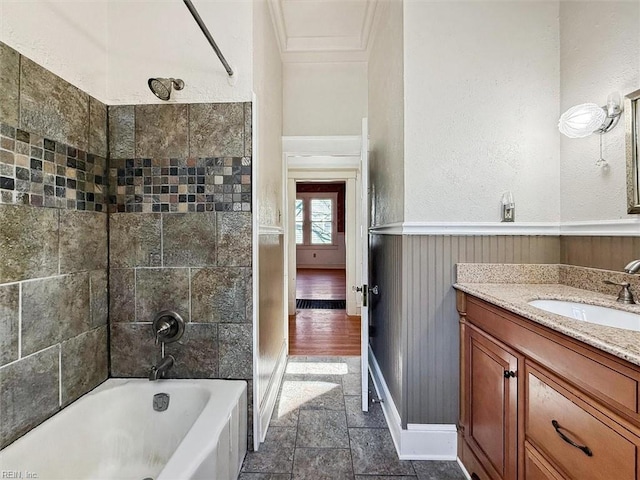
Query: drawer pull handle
[
  {"x": 509, "y": 374},
  {"x": 587, "y": 451}
]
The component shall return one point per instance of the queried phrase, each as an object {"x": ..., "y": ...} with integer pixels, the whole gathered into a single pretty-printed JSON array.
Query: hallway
[
  {"x": 318, "y": 431},
  {"x": 323, "y": 332}
]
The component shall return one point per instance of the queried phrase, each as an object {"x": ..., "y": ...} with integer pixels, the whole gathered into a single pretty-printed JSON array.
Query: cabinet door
[{"x": 491, "y": 396}]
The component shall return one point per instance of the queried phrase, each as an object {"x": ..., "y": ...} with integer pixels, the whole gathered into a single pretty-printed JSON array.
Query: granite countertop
[{"x": 513, "y": 297}]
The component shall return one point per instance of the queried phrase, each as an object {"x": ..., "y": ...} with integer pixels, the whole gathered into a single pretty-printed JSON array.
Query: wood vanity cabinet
[{"x": 536, "y": 404}]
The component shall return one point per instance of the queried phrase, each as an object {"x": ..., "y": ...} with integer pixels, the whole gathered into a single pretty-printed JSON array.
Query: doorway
[
  {"x": 322, "y": 218},
  {"x": 320, "y": 245},
  {"x": 320, "y": 324}
]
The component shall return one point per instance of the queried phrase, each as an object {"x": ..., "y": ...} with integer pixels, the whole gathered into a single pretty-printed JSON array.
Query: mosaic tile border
[
  {"x": 44, "y": 173},
  {"x": 221, "y": 184}
]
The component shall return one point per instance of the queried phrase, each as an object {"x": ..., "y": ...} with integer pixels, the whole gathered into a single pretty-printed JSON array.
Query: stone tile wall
[
  {"x": 53, "y": 244},
  {"x": 42, "y": 172},
  {"x": 197, "y": 264},
  {"x": 180, "y": 238},
  {"x": 180, "y": 158}
]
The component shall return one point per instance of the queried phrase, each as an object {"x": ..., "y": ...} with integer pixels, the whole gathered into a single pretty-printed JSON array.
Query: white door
[{"x": 364, "y": 245}]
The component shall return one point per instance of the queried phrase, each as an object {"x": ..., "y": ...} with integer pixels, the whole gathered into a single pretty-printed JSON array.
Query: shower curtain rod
[{"x": 205, "y": 30}]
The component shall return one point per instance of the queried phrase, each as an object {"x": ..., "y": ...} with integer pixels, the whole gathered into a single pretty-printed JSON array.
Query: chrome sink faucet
[
  {"x": 158, "y": 372},
  {"x": 633, "y": 267},
  {"x": 625, "y": 295}
]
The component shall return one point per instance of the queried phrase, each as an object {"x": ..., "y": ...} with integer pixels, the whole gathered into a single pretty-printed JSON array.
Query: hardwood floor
[
  {"x": 321, "y": 284},
  {"x": 323, "y": 332}
]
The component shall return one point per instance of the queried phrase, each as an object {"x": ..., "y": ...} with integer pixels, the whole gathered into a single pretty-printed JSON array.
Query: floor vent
[{"x": 321, "y": 304}]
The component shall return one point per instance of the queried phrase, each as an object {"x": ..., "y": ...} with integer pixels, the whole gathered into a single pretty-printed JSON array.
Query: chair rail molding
[{"x": 621, "y": 227}]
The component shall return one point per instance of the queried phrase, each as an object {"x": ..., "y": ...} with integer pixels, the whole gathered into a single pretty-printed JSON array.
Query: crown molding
[
  {"x": 367, "y": 25},
  {"x": 275, "y": 8},
  {"x": 318, "y": 49}
]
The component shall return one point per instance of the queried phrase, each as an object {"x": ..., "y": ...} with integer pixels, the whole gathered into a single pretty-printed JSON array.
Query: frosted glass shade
[{"x": 582, "y": 120}]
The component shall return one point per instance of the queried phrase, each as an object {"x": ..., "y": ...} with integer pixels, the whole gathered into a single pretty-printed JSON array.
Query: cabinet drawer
[
  {"x": 613, "y": 450},
  {"x": 536, "y": 467}
]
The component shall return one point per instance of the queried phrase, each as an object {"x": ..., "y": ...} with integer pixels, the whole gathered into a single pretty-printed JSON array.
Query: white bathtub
[{"x": 114, "y": 433}]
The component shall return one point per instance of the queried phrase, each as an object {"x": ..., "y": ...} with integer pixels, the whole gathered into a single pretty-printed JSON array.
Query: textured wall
[
  {"x": 386, "y": 115},
  {"x": 267, "y": 85},
  {"x": 481, "y": 109},
  {"x": 324, "y": 98},
  {"x": 110, "y": 49},
  {"x": 53, "y": 239},
  {"x": 605, "y": 34},
  {"x": 67, "y": 38},
  {"x": 148, "y": 38}
]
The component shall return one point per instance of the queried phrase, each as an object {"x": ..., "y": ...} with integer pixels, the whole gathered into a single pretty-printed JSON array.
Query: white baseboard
[
  {"x": 417, "y": 441},
  {"x": 271, "y": 394}
]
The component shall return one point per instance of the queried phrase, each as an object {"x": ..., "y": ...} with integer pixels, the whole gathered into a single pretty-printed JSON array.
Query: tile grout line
[
  {"x": 27, "y": 356},
  {"x": 135, "y": 294},
  {"x": 295, "y": 444},
  {"x": 19, "y": 90},
  {"x": 60, "y": 374},
  {"x": 19, "y": 320},
  {"x": 59, "y": 241},
  {"x": 162, "y": 240},
  {"x": 353, "y": 466},
  {"x": 50, "y": 277},
  {"x": 90, "y": 302}
]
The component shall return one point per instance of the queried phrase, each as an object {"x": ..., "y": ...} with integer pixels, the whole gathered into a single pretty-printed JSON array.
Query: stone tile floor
[{"x": 318, "y": 431}]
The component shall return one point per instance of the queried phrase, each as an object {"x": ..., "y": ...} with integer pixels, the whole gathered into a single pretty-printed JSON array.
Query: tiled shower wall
[
  {"x": 178, "y": 236},
  {"x": 181, "y": 237},
  {"x": 53, "y": 244}
]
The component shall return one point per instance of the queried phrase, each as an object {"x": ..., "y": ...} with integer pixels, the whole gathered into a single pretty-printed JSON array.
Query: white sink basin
[{"x": 609, "y": 317}]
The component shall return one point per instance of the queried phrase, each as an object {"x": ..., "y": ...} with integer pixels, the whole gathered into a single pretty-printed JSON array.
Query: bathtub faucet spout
[{"x": 157, "y": 372}]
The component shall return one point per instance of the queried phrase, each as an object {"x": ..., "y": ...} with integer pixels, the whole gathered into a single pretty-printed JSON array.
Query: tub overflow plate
[{"x": 160, "y": 402}]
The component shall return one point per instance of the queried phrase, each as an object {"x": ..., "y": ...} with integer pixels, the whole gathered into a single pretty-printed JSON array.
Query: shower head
[{"x": 161, "y": 87}]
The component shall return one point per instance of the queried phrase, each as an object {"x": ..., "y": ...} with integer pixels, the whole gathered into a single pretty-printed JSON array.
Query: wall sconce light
[{"x": 588, "y": 118}]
